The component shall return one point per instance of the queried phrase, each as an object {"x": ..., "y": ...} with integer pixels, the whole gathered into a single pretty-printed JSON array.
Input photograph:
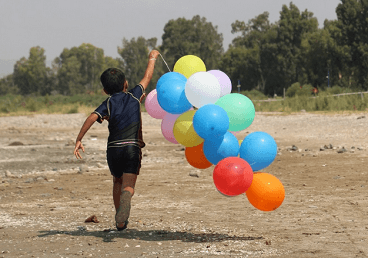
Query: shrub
[
  {"x": 31, "y": 104},
  {"x": 334, "y": 90},
  {"x": 73, "y": 110},
  {"x": 292, "y": 90},
  {"x": 254, "y": 94}
]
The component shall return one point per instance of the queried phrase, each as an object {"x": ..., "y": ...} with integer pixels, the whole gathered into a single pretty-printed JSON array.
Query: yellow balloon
[
  {"x": 240, "y": 142},
  {"x": 188, "y": 65},
  {"x": 184, "y": 132}
]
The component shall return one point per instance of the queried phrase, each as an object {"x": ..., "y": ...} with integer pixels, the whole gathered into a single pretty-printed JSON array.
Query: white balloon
[{"x": 202, "y": 88}]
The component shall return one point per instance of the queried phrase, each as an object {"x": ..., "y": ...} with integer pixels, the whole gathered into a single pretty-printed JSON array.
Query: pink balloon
[
  {"x": 167, "y": 126},
  {"x": 224, "y": 81},
  {"x": 233, "y": 132},
  {"x": 153, "y": 108}
]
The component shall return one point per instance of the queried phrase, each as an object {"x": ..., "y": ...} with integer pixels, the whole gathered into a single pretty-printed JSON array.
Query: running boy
[{"x": 122, "y": 110}]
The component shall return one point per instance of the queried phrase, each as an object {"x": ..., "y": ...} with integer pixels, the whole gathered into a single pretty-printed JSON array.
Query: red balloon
[{"x": 232, "y": 176}]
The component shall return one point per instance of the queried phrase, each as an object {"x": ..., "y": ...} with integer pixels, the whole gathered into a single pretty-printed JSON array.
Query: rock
[
  {"x": 303, "y": 110},
  {"x": 360, "y": 117},
  {"x": 321, "y": 149},
  {"x": 83, "y": 168},
  {"x": 92, "y": 218},
  {"x": 10, "y": 175},
  {"x": 342, "y": 150},
  {"x": 16, "y": 144},
  {"x": 352, "y": 147},
  {"x": 352, "y": 151},
  {"x": 293, "y": 148},
  {"x": 328, "y": 147},
  {"x": 40, "y": 178},
  {"x": 300, "y": 150},
  {"x": 194, "y": 173},
  {"x": 99, "y": 165},
  {"x": 82, "y": 228},
  {"x": 360, "y": 148}
]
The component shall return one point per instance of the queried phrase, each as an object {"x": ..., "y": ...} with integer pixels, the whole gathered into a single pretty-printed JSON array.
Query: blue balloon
[
  {"x": 217, "y": 149},
  {"x": 171, "y": 97},
  {"x": 211, "y": 121},
  {"x": 259, "y": 149},
  {"x": 168, "y": 77}
]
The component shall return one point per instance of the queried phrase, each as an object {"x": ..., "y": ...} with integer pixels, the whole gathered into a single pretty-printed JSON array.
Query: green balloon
[{"x": 240, "y": 110}]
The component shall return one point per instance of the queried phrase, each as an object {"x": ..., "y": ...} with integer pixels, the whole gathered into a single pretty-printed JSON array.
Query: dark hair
[{"x": 113, "y": 80}]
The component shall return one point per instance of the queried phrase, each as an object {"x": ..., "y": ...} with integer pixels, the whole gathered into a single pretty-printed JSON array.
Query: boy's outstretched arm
[
  {"x": 150, "y": 67},
  {"x": 87, "y": 124}
]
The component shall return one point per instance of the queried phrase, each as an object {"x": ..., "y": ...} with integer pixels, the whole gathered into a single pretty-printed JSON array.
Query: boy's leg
[
  {"x": 122, "y": 201},
  {"x": 116, "y": 192}
]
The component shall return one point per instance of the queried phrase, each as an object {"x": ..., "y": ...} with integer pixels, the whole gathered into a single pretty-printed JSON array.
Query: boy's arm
[
  {"x": 85, "y": 127},
  {"x": 150, "y": 67}
]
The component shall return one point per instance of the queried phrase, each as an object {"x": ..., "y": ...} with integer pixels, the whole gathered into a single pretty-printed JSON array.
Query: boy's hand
[
  {"x": 78, "y": 145},
  {"x": 154, "y": 54}
]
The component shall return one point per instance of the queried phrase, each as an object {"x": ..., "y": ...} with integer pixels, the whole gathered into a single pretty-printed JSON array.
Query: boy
[{"x": 122, "y": 110}]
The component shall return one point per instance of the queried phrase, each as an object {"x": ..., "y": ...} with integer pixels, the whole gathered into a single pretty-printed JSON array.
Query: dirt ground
[{"x": 46, "y": 194}]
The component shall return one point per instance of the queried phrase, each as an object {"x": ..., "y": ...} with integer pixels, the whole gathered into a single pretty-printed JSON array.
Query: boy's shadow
[{"x": 151, "y": 235}]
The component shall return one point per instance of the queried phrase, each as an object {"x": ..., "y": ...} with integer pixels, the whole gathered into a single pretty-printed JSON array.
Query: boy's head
[{"x": 113, "y": 80}]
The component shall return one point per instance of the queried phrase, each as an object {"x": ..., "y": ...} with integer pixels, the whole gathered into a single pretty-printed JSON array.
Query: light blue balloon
[
  {"x": 171, "y": 97},
  {"x": 210, "y": 121},
  {"x": 259, "y": 149},
  {"x": 219, "y": 148},
  {"x": 170, "y": 76}
]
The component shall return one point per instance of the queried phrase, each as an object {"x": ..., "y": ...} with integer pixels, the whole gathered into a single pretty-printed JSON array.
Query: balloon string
[{"x": 165, "y": 62}]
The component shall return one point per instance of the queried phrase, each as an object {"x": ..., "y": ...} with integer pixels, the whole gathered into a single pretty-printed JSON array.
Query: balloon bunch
[{"x": 199, "y": 111}]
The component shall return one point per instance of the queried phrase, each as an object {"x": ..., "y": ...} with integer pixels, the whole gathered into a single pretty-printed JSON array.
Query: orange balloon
[
  {"x": 266, "y": 192},
  {"x": 196, "y": 158}
]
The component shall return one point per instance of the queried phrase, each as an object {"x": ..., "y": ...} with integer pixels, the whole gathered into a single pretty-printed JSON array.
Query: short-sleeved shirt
[{"x": 123, "y": 111}]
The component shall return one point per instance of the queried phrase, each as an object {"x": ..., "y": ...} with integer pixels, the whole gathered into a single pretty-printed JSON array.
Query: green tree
[
  {"x": 258, "y": 37},
  {"x": 134, "y": 54},
  {"x": 79, "y": 68},
  {"x": 353, "y": 24},
  {"x": 7, "y": 85},
  {"x": 292, "y": 26},
  {"x": 237, "y": 63},
  {"x": 31, "y": 75},
  {"x": 69, "y": 81},
  {"x": 192, "y": 37}
]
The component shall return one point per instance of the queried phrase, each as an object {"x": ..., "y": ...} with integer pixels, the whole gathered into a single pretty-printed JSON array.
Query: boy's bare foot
[
  {"x": 123, "y": 211},
  {"x": 122, "y": 226}
]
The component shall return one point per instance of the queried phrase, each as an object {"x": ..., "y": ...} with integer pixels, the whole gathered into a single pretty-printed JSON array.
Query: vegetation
[{"x": 11, "y": 105}]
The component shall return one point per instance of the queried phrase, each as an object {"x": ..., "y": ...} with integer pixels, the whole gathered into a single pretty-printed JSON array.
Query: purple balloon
[
  {"x": 224, "y": 81},
  {"x": 153, "y": 108},
  {"x": 167, "y": 126}
]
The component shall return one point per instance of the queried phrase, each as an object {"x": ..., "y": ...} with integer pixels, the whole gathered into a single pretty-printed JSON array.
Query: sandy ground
[{"x": 46, "y": 194}]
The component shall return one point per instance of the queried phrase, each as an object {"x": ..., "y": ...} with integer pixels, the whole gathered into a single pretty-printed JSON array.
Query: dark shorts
[{"x": 124, "y": 159}]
